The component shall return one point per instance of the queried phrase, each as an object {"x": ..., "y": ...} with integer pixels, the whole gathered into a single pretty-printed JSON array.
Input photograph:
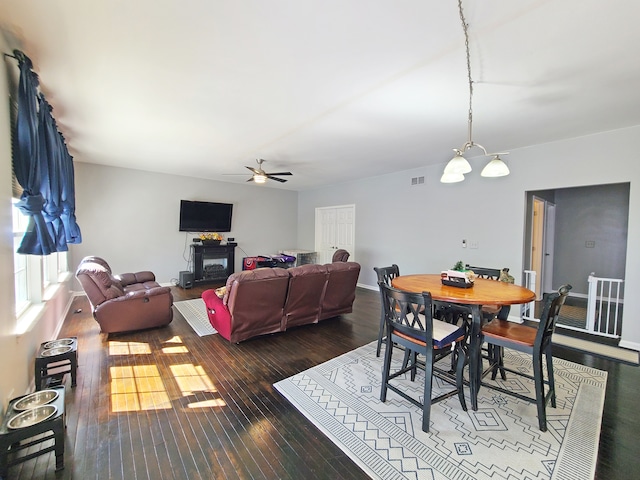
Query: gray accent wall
[{"x": 597, "y": 214}]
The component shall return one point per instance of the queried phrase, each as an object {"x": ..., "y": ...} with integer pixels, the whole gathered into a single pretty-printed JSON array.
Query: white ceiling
[{"x": 331, "y": 90}]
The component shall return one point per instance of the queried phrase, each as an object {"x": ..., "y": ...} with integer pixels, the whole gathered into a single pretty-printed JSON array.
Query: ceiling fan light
[
  {"x": 495, "y": 168},
  {"x": 451, "y": 177},
  {"x": 259, "y": 178},
  {"x": 458, "y": 165}
]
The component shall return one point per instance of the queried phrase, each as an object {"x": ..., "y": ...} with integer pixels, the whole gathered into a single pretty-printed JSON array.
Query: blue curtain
[
  {"x": 44, "y": 169},
  {"x": 57, "y": 181}
]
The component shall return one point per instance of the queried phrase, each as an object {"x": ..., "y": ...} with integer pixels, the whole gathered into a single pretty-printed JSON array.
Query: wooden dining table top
[{"x": 483, "y": 292}]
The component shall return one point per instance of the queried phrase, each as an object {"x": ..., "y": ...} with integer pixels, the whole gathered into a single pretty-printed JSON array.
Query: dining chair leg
[
  {"x": 385, "y": 370},
  {"x": 552, "y": 383},
  {"x": 496, "y": 358},
  {"x": 462, "y": 361},
  {"x": 414, "y": 362},
  {"x": 538, "y": 380},
  {"x": 475, "y": 358},
  {"x": 428, "y": 382},
  {"x": 381, "y": 333}
]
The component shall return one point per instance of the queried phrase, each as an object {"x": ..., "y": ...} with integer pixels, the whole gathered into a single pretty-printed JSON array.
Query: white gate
[{"x": 604, "y": 304}]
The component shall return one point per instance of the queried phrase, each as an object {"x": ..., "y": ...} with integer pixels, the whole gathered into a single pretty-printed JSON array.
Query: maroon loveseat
[
  {"x": 121, "y": 303},
  {"x": 269, "y": 300}
]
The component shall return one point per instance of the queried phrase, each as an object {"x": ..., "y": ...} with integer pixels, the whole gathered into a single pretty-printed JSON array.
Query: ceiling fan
[{"x": 260, "y": 176}]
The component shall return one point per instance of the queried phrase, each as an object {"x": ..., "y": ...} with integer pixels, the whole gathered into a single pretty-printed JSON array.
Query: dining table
[{"x": 483, "y": 292}]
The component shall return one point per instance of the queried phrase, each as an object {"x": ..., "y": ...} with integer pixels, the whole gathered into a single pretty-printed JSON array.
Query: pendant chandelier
[{"x": 458, "y": 166}]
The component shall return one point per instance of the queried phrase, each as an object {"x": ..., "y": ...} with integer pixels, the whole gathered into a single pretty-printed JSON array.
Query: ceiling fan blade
[
  {"x": 280, "y": 173},
  {"x": 271, "y": 177},
  {"x": 250, "y": 180},
  {"x": 257, "y": 172}
]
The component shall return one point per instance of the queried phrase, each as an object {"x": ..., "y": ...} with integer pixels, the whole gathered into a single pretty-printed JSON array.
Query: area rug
[
  {"x": 499, "y": 441},
  {"x": 624, "y": 355},
  {"x": 195, "y": 313}
]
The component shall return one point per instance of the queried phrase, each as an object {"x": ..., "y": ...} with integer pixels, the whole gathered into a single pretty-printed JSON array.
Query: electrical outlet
[
  {"x": 590, "y": 244},
  {"x": 473, "y": 244}
]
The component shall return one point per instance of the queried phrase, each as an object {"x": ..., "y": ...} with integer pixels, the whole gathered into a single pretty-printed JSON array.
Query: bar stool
[{"x": 54, "y": 359}]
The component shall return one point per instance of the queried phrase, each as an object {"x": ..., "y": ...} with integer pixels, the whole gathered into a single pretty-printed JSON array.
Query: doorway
[
  {"x": 577, "y": 235},
  {"x": 542, "y": 220},
  {"x": 335, "y": 228}
]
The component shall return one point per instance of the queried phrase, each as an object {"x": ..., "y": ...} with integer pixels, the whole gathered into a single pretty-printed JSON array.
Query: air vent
[{"x": 417, "y": 181}]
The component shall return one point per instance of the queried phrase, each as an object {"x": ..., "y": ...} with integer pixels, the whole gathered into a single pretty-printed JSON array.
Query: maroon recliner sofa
[
  {"x": 270, "y": 300},
  {"x": 125, "y": 302}
]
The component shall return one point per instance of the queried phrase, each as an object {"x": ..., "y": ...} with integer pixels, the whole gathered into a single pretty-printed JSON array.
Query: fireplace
[{"x": 212, "y": 263}]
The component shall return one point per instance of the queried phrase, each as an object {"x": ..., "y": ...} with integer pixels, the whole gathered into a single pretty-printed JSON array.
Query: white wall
[
  {"x": 421, "y": 227},
  {"x": 130, "y": 218}
]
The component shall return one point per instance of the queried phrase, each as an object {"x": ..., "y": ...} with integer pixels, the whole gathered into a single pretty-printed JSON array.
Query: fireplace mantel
[{"x": 212, "y": 263}]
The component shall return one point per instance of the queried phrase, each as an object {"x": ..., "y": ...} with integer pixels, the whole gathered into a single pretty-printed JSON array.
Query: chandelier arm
[
  {"x": 458, "y": 166},
  {"x": 469, "y": 78}
]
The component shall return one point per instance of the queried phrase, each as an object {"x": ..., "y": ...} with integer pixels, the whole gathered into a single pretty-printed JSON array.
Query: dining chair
[
  {"x": 385, "y": 275},
  {"x": 489, "y": 312},
  {"x": 340, "y": 255},
  {"x": 536, "y": 341},
  {"x": 420, "y": 334}
]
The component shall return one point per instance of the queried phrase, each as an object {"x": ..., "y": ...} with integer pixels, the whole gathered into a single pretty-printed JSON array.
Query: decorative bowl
[
  {"x": 52, "y": 352},
  {"x": 62, "y": 342},
  {"x": 32, "y": 417},
  {"x": 36, "y": 399}
]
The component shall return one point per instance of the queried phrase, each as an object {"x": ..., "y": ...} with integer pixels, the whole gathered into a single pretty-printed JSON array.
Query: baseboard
[{"x": 630, "y": 345}]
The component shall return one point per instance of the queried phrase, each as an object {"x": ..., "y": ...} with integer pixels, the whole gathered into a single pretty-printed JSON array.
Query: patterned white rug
[
  {"x": 499, "y": 441},
  {"x": 195, "y": 313}
]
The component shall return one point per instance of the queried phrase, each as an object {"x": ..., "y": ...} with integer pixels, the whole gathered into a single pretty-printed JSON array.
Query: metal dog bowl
[
  {"x": 62, "y": 342},
  {"x": 52, "y": 352},
  {"x": 32, "y": 416},
  {"x": 36, "y": 399}
]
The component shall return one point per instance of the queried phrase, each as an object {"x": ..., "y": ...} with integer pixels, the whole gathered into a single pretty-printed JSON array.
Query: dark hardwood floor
[{"x": 165, "y": 403}]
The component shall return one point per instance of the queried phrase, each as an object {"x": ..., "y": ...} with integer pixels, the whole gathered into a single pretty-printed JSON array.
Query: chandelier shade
[
  {"x": 458, "y": 164},
  {"x": 451, "y": 177},
  {"x": 495, "y": 168}
]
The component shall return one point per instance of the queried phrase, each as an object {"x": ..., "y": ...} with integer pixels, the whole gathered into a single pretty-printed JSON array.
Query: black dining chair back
[
  {"x": 501, "y": 334},
  {"x": 420, "y": 334},
  {"x": 482, "y": 272},
  {"x": 385, "y": 275}
]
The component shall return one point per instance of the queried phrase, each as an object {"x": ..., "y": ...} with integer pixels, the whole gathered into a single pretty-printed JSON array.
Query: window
[
  {"x": 20, "y": 271},
  {"x": 33, "y": 274}
]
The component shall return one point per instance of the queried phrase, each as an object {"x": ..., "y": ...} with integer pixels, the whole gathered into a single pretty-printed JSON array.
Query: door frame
[{"x": 324, "y": 255}]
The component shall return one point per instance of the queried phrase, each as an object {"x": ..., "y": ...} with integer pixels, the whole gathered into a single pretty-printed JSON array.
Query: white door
[{"x": 334, "y": 230}]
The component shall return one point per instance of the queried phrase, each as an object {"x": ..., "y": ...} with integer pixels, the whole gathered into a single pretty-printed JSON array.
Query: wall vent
[{"x": 417, "y": 181}]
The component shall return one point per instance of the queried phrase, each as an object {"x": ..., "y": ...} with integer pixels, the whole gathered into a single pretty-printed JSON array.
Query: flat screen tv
[{"x": 205, "y": 216}]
